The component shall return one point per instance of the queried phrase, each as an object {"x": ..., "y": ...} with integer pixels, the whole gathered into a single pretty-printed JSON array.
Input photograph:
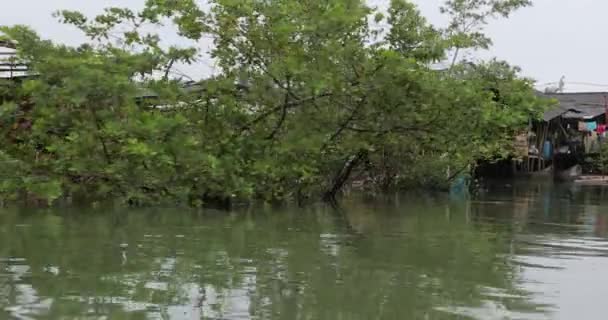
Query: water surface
[{"x": 528, "y": 251}]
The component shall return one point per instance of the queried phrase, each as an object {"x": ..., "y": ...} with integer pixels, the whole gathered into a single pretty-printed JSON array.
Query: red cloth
[{"x": 601, "y": 128}]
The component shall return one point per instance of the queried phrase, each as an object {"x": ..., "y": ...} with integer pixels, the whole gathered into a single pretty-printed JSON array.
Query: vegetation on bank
[{"x": 309, "y": 95}]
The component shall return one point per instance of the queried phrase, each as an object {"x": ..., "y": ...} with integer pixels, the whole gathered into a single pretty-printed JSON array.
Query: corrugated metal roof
[
  {"x": 577, "y": 105},
  {"x": 585, "y": 112}
]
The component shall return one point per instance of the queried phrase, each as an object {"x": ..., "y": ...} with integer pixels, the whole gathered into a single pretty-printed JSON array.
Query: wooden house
[{"x": 568, "y": 134}]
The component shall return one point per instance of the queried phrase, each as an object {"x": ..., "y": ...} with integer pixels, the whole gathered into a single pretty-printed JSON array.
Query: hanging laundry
[
  {"x": 601, "y": 129},
  {"x": 582, "y": 126},
  {"x": 591, "y": 126}
]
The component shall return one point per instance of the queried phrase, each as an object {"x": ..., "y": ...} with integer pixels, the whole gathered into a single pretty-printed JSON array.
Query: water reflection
[{"x": 518, "y": 251}]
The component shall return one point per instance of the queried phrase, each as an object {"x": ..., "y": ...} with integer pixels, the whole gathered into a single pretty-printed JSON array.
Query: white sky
[{"x": 551, "y": 39}]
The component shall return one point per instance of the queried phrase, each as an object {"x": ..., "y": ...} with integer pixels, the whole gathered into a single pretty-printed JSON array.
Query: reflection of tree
[
  {"x": 539, "y": 207},
  {"x": 404, "y": 265},
  {"x": 372, "y": 263}
]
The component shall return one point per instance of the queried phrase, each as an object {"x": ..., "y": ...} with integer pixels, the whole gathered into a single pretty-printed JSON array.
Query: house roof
[
  {"x": 7, "y": 44},
  {"x": 10, "y": 67},
  {"x": 576, "y": 105}
]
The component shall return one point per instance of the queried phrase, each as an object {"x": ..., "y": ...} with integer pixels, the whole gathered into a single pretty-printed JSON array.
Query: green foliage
[
  {"x": 303, "y": 103},
  {"x": 411, "y": 35},
  {"x": 469, "y": 17},
  {"x": 598, "y": 163}
]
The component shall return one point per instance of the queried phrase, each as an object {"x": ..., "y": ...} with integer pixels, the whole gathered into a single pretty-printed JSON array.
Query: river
[{"x": 522, "y": 251}]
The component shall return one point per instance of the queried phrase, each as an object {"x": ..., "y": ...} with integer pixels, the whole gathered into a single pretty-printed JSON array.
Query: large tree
[{"x": 309, "y": 94}]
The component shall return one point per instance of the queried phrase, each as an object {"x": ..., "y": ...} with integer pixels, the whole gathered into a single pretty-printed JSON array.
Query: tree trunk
[{"x": 343, "y": 175}]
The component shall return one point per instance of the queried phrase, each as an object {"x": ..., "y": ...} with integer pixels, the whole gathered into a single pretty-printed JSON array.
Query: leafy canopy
[{"x": 309, "y": 96}]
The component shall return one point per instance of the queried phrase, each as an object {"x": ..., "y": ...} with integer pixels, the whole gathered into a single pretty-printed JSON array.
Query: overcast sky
[{"x": 551, "y": 39}]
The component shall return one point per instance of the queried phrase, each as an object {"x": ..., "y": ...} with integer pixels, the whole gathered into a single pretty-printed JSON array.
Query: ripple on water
[
  {"x": 157, "y": 285},
  {"x": 564, "y": 247},
  {"x": 492, "y": 310}
]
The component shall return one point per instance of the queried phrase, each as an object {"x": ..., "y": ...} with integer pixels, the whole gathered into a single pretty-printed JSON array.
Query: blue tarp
[
  {"x": 459, "y": 188},
  {"x": 547, "y": 150}
]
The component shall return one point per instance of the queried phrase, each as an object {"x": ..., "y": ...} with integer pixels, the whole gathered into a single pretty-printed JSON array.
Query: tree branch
[
  {"x": 168, "y": 69},
  {"x": 287, "y": 106},
  {"x": 101, "y": 139},
  {"x": 345, "y": 123},
  {"x": 283, "y": 115}
]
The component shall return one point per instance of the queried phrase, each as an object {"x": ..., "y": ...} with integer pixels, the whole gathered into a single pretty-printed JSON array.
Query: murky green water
[{"x": 523, "y": 252}]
